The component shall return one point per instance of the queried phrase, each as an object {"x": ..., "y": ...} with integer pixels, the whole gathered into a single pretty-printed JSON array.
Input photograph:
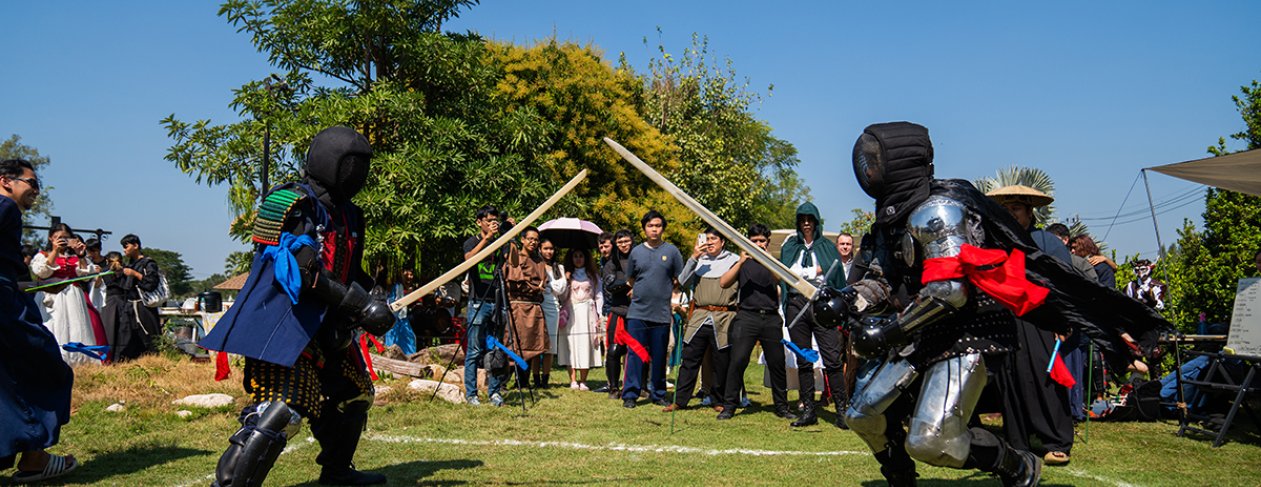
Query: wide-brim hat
[{"x": 1020, "y": 194}]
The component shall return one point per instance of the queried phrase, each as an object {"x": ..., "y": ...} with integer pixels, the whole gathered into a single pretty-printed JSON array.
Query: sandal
[
  {"x": 57, "y": 466},
  {"x": 1055, "y": 458}
]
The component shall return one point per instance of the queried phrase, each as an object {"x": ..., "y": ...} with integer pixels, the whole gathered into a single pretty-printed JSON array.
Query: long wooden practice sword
[
  {"x": 801, "y": 285},
  {"x": 489, "y": 249}
]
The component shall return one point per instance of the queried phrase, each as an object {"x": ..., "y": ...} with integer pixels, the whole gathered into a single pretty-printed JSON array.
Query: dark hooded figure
[
  {"x": 944, "y": 269},
  {"x": 810, "y": 255},
  {"x": 298, "y": 314}
]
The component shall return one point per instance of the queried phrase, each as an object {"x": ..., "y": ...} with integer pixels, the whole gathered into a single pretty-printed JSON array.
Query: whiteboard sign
[{"x": 1245, "y": 321}]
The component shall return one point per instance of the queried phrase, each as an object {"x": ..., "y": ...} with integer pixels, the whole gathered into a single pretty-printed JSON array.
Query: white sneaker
[
  {"x": 583, "y": 387},
  {"x": 573, "y": 385},
  {"x": 472, "y": 401},
  {"x": 496, "y": 400}
]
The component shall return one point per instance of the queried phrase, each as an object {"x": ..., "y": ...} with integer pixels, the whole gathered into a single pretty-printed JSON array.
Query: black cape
[{"x": 1075, "y": 302}]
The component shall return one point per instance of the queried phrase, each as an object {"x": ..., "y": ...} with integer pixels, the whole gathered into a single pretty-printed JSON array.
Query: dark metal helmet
[
  {"x": 893, "y": 163},
  {"x": 338, "y": 162}
]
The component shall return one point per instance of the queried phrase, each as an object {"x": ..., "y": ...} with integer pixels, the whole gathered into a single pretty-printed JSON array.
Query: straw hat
[{"x": 1020, "y": 194}]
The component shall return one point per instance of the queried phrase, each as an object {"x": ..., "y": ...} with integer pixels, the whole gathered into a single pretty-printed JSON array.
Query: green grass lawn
[{"x": 569, "y": 437}]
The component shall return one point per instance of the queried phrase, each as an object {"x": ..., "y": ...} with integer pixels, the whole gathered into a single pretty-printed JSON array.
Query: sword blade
[
  {"x": 796, "y": 282},
  {"x": 490, "y": 249}
]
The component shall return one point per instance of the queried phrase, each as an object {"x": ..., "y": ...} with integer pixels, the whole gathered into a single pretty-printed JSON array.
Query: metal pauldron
[{"x": 939, "y": 226}]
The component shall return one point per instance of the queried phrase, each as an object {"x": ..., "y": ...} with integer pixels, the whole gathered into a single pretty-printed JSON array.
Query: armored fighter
[
  {"x": 297, "y": 316},
  {"x": 943, "y": 270}
]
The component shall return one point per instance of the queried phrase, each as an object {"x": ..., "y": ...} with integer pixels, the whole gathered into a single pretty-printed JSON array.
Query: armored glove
[
  {"x": 372, "y": 314},
  {"x": 836, "y": 306},
  {"x": 874, "y": 336}
]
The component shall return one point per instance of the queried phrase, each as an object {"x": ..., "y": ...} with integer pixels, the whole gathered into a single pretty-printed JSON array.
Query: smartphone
[{"x": 701, "y": 239}]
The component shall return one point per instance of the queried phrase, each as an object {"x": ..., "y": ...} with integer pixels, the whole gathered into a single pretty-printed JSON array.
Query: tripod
[{"x": 504, "y": 307}]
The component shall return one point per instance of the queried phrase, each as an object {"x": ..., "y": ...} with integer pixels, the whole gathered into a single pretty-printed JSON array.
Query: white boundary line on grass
[
  {"x": 1075, "y": 472},
  {"x": 1079, "y": 473},
  {"x": 611, "y": 447}
]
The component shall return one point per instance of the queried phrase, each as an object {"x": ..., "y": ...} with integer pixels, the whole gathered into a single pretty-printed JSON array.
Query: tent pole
[{"x": 1152, "y": 206}]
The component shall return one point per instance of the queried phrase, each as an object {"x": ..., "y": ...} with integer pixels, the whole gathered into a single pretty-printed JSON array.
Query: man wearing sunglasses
[{"x": 35, "y": 383}]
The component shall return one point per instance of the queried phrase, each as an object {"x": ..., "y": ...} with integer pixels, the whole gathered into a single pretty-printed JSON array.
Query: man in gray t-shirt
[{"x": 652, "y": 270}]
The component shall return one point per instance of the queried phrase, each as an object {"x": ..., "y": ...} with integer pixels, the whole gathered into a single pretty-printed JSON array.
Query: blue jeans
[
  {"x": 1193, "y": 369},
  {"x": 481, "y": 323},
  {"x": 656, "y": 338},
  {"x": 1075, "y": 360}
]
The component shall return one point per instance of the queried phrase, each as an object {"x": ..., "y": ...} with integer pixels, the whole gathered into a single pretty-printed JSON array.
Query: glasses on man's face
[
  {"x": 757, "y": 240},
  {"x": 33, "y": 182}
]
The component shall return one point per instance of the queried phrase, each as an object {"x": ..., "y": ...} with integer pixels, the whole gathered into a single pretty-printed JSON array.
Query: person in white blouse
[
  {"x": 580, "y": 327},
  {"x": 67, "y": 307},
  {"x": 553, "y": 293}
]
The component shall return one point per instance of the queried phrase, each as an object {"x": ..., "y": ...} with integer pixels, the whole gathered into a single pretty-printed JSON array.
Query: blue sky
[{"x": 1088, "y": 91}]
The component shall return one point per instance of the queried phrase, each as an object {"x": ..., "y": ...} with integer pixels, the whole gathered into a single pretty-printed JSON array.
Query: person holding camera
[
  {"x": 67, "y": 306},
  {"x": 482, "y": 320},
  {"x": 708, "y": 320}
]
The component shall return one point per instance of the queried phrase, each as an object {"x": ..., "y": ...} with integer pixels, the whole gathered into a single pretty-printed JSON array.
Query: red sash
[
  {"x": 993, "y": 271},
  {"x": 623, "y": 337}
]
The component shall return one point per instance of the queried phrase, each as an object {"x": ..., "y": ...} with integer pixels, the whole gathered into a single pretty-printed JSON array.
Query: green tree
[
  {"x": 1206, "y": 264},
  {"x": 178, "y": 274},
  {"x": 456, "y": 122},
  {"x": 562, "y": 99},
  {"x": 238, "y": 262},
  {"x": 13, "y": 148},
  {"x": 420, "y": 96},
  {"x": 858, "y": 224},
  {"x": 729, "y": 161}
]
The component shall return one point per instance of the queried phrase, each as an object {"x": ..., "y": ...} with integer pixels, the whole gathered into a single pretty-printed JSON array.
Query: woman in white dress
[
  {"x": 67, "y": 307},
  {"x": 580, "y": 330},
  {"x": 553, "y": 293}
]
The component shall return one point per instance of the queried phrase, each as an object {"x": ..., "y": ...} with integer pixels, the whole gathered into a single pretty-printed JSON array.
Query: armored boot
[
  {"x": 1019, "y": 468},
  {"x": 338, "y": 433},
  {"x": 252, "y": 450},
  {"x": 897, "y": 467}
]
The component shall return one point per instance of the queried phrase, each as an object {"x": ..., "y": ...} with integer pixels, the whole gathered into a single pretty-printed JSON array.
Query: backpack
[{"x": 158, "y": 296}]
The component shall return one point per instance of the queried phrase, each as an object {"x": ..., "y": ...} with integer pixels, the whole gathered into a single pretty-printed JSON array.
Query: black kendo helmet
[
  {"x": 893, "y": 163},
  {"x": 338, "y": 161}
]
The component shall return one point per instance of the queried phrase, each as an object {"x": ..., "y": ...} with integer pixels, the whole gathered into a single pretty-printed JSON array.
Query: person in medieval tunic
[
  {"x": 709, "y": 318},
  {"x": 298, "y": 315},
  {"x": 526, "y": 276}
]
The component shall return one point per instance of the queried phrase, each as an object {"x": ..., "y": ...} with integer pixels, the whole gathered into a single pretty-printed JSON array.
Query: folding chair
[{"x": 1219, "y": 380}]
